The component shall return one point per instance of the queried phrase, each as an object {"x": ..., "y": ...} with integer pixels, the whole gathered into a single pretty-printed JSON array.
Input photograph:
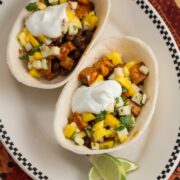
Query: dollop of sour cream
[
  {"x": 96, "y": 98},
  {"x": 48, "y": 22}
]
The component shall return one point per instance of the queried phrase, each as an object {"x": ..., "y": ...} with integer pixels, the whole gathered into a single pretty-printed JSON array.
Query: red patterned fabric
[{"x": 170, "y": 12}]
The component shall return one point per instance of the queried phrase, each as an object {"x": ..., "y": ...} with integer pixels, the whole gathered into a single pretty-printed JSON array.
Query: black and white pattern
[
  {"x": 19, "y": 157},
  {"x": 149, "y": 11}
]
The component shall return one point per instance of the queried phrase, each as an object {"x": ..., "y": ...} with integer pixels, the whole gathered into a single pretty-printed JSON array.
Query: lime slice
[
  {"x": 94, "y": 174},
  {"x": 127, "y": 165},
  {"x": 108, "y": 167}
]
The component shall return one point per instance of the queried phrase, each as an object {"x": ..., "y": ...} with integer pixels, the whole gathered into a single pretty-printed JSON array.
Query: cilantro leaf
[
  {"x": 127, "y": 121},
  {"x": 125, "y": 100},
  {"x": 24, "y": 57},
  {"x": 116, "y": 100},
  {"x": 32, "y": 6},
  {"x": 101, "y": 116}
]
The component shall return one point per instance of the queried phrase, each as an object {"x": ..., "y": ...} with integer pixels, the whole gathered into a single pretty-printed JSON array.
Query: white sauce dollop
[
  {"x": 48, "y": 22},
  {"x": 96, "y": 98}
]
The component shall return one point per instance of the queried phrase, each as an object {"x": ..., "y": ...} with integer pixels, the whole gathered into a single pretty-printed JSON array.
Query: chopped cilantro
[
  {"x": 127, "y": 121},
  {"x": 101, "y": 116},
  {"x": 24, "y": 56},
  {"x": 124, "y": 90},
  {"x": 32, "y": 6},
  {"x": 125, "y": 100},
  {"x": 35, "y": 49},
  {"x": 75, "y": 28},
  {"x": 121, "y": 127},
  {"x": 46, "y": 2},
  {"x": 116, "y": 100}
]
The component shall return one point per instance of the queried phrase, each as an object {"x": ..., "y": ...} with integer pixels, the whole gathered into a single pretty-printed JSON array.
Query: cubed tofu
[
  {"x": 115, "y": 57},
  {"x": 111, "y": 121},
  {"x": 74, "y": 26},
  {"x": 106, "y": 145},
  {"x": 120, "y": 102},
  {"x": 118, "y": 71},
  {"x": 87, "y": 117},
  {"x": 94, "y": 145},
  {"x": 37, "y": 64},
  {"x": 144, "y": 99},
  {"x": 78, "y": 139},
  {"x": 144, "y": 70},
  {"x": 124, "y": 110},
  {"x": 136, "y": 75},
  {"x": 123, "y": 135},
  {"x": 137, "y": 98}
]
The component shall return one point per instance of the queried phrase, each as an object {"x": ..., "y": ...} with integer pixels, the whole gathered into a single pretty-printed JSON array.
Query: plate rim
[{"x": 174, "y": 158}]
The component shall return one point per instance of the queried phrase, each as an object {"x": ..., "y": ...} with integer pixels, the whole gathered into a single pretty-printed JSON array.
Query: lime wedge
[
  {"x": 94, "y": 174},
  {"x": 127, "y": 165},
  {"x": 108, "y": 167}
]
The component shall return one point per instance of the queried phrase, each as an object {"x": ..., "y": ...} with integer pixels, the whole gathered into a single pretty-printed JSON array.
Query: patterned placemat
[{"x": 170, "y": 11}]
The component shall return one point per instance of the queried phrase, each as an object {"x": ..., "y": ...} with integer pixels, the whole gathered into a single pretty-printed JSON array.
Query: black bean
[
  {"x": 58, "y": 42},
  {"x": 69, "y": 37},
  {"x": 87, "y": 141},
  {"x": 91, "y": 6},
  {"x": 55, "y": 65},
  {"x": 63, "y": 71},
  {"x": 88, "y": 36},
  {"x": 83, "y": 47},
  {"x": 76, "y": 54}
]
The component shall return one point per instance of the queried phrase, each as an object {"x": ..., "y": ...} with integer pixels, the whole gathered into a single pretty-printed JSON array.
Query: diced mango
[
  {"x": 70, "y": 14},
  {"x": 106, "y": 145},
  {"x": 124, "y": 81},
  {"x": 111, "y": 121},
  {"x": 34, "y": 73},
  {"x": 98, "y": 126},
  {"x": 43, "y": 39},
  {"x": 69, "y": 130},
  {"x": 41, "y": 5},
  {"x": 88, "y": 117},
  {"x": 115, "y": 57},
  {"x": 33, "y": 40},
  {"x": 110, "y": 133},
  {"x": 128, "y": 66},
  {"x": 131, "y": 91},
  {"x": 37, "y": 56},
  {"x": 62, "y": 1},
  {"x": 123, "y": 138},
  {"x": 90, "y": 20},
  {"x": 98, "y": 79},
  {"x": 99, "y": 134},
  {"x": 22, "y": 38}
]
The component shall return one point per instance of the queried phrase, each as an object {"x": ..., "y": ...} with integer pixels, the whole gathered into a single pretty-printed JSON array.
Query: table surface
[{"x": 170, "y": 11}]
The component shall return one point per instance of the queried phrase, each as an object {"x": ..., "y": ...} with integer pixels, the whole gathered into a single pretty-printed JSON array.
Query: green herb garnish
[
  {"x": 101, "y": 116},
  {"x": 35, "y": 49},
  {"x": 127, "y": 121},
  {"x": 116, "y": 100},
  {"x": 121, "y": 127},
  {"x": 124, "y": 90},
  {"x": 75, "y": 28},
  {"x": 32, "y": 6},
  {"x": 46, "y": 2},
  {"x": 125, "y": 100},
  {"x": 24, "y": 57}
]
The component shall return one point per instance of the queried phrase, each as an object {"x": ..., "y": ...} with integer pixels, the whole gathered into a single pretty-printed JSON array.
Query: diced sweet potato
[
  {"x": 136, "y": 110},
  {"x": 84, "y": 1},
  {"x": 65, "y": 49},
  {"x": 88, "y": 75},
  {"x": 103, "y": 66},
  {"x": 68, "y": 63},
  {"x": 77, "y": 118},
  {"x": 48, "y": 73},
  {"x": 136, "y": 76},
  {"x": 82, "y": 10}
]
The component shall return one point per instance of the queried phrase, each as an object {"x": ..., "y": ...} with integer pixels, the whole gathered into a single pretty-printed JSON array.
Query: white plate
[{"x": 27, "y": 114}]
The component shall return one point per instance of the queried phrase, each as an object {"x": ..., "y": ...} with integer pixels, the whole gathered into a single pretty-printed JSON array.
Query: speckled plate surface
[{"x": 26, "y": 126}]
